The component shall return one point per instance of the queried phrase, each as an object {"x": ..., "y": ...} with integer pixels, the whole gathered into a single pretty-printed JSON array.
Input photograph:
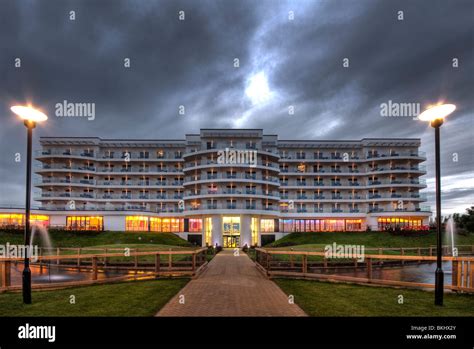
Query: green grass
[
  {"x": 369, "y": 239},
  {"x": 137, "y": 298},
  {"x": 338, "y": 299},
  {"x": 93, "y": 238}
]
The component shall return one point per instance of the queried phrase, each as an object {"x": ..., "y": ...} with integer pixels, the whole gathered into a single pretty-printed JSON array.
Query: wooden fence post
[
  {"x": 194, "y": 262},
  {"x": 105, "y": 257},
  {"x": 305, "y": 264},
  {"x": 94, "y": 268},
  {"x": 78, "y": 257},
  {"x": 136, "y": 259},
  {"x": 157, "y": 263},
  {"x": 454, "y": 273},
  {"x": 57, "y": 253},
  {"x": 5, "y": 271},
  {"x": 41, "y": 260},
  {"x": 268, "y": 262},
  {"x": 170, "y": 260},
  {"x": 369, "y": 269}
]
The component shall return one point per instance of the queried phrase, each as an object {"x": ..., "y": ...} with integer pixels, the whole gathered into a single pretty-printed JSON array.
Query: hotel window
[
  {"x": 178, "y": 154},
  {"x": 18, "y": 220},
  {"x": 301, "y": 155},
  {"x": 136, "y": 223},
  {"x": 385, "y": 223},
  {"x": 335, "y": 168},
  {"x": 254, "y": 231},
  {"x": 177, "y": 225},
  {"x": 301, "y": 168},
  {"x": 301, "y": 181},
  {"x": 195, "y": 225},
  {"x": 144, "y": 155},
  {"x": 172, "y": 225},
  {"x": 84, "y": 223},
  {"x": 160, "y": 154},
  {"x": 333, "y": 224},
  {"x": 212, "y": 189},
  {"x": 155, "y": 224},
  {"x": 267, "y": 225},
  {"x": 353, "y": 224},
  {"x": 250, "y": 204},
  {"x": 284, "y": 167},
  {"x": 208, "y": 233}
]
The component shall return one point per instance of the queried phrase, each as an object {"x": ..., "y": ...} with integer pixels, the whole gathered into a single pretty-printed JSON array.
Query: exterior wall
[
  {"x": 114, "y": 223},
  {"x": 216, "y": 230},
  {"x": 57, "y": 220},
  {"x": 245, "y": 231}
]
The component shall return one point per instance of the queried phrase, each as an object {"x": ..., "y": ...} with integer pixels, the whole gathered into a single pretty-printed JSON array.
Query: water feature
[
  {"x": 43, "y": 234},
  {"x": 451, "y": 230}
]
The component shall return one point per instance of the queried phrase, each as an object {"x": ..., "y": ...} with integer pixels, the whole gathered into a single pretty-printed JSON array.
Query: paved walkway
[{"x": 231, "y": 286}]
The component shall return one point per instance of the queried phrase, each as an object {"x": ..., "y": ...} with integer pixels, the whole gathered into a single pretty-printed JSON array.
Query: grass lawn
[
  {"x": 337, "y": 299},
  {"x": 93, "y": 238},
  {"x": 368, "y": 239},
  {"x": 135, "y": 298}
]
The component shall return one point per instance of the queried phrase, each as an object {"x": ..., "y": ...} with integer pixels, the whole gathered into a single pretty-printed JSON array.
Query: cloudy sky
[{"x": 290, "y": 54}]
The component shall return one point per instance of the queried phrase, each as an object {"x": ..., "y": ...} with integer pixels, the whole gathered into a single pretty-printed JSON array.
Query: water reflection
[
  {"x": 419, "y": 273},
  {"x": 59, "y": 274}
]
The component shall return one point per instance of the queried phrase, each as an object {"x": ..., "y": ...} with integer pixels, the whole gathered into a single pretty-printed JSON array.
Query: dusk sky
[{"x": 290, "y": 54}]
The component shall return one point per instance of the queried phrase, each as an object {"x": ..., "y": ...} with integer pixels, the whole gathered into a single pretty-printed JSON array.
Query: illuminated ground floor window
[
  {"x": 136, "y": 223},
  {"x": 267, "y": 225},
  {"x": 18, "y": 220},
  {"x": 254, "y": 231},
  {"x": 316, "y": 225},
  {"x": 84, "y": 223},
  {"x": 166, "y": 225},
  {"x": 393, "y": 222},
  {"x": 208, "y": 231},
  {"x": 195, "y": 225}
]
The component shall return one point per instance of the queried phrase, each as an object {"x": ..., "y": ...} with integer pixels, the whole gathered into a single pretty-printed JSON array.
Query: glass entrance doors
[
  {"x": 231, "y": 232},
  {"x": 231, "y": 241}
]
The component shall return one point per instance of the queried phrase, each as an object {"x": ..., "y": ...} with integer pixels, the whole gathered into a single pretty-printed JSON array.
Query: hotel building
[{"x": 230, "y": 187}]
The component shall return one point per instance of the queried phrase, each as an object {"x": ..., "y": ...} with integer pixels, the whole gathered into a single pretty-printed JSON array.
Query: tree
[{"x": 465, "y": 221}]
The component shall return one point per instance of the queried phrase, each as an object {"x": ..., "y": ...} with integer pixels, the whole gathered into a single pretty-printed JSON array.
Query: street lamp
[
  {"x": 435, "y": 115},
  {"x": 30, "y": 116}
]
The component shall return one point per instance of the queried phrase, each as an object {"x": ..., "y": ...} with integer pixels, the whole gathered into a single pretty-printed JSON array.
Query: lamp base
[
  {"x": 439, "y": 286},
  {"x": 26, "y": 278}
]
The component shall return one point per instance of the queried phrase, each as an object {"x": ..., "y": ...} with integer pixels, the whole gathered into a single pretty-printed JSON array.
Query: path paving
[{"x": 231, "y": 286}]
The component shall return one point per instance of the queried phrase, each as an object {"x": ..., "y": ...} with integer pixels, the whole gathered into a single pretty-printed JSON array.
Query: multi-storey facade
[{"x": 196, "y": 187}]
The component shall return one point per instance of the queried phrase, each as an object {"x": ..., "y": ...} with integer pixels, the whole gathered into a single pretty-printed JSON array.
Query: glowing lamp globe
[{"x": 29, "y": 113}]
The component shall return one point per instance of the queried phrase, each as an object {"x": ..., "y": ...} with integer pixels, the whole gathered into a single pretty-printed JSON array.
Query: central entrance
[{"x": 231, "y": 232}]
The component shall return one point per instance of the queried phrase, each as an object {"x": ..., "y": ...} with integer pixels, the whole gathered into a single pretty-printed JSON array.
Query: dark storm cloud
[{"x": 190, "y": 63}]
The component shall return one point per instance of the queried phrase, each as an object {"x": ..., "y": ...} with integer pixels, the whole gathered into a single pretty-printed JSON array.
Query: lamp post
[
  {"x": 435, "y": 115},
  {"x": 30, "y": 117}
]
